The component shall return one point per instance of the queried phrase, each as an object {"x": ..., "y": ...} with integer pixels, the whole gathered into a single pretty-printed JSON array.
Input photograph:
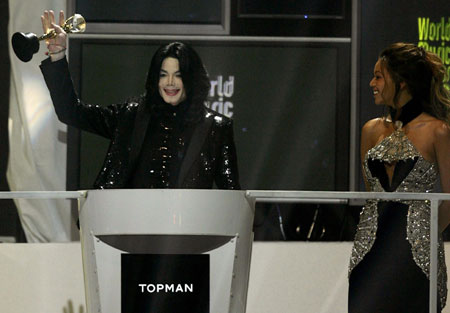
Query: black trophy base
[{"x": 25, "y": 45}]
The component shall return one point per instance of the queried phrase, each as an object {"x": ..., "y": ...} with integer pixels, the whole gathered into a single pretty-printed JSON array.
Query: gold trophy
[{"x": 27, "y": 44}]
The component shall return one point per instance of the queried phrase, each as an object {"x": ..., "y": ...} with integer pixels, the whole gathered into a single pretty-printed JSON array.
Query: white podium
[{"x": 162, "y": 221}]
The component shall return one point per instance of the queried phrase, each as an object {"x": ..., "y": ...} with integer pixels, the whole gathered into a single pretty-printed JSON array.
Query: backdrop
[{"x": 37, "y": 159}]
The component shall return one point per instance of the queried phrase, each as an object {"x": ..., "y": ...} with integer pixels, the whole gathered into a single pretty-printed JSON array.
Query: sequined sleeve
[
  {"x": 70, "y": 109},
  {"x": 227, "y": 176}
]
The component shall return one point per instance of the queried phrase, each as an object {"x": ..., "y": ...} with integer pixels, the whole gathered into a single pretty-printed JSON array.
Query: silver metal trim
[
  {"x": 290, "y": 195},
  {"x": 433, "y": 254},
  {"x": 303, "y": 200},
  {"x": 214, "y": 38},
  {"x": 43, "y": 194},
  {"x": 353, "y": 153},
  {"x": 133, "y": 28}
]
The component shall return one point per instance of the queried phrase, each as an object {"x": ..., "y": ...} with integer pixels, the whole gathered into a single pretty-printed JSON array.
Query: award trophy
[{"x": 27, "y": 44}]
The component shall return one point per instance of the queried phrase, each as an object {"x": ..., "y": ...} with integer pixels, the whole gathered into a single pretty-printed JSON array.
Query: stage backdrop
[
  {"x": 289, "y": 103},
  {"x": 37, "y": 159}
]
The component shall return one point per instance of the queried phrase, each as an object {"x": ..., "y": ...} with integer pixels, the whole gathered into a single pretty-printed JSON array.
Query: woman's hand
[{"x": 56, "y": 46}]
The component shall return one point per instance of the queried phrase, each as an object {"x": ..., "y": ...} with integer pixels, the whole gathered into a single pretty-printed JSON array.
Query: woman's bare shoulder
[
  {"x": 371, "y": 132},
  {"x": 435, "y": 127},
  {"x": 375, "y": 126},
  {"x": 441, "y": 130}
]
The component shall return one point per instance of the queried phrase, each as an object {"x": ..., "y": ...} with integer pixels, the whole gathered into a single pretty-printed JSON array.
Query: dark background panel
[
  {"x": 318, "y": 18},
  {"x": 273, "y": 104},
  {"x": 283, "y": 18},
  {"x": 306, "y": 8},
  {"x": 283, "y": 114},
  {"x": 151, "y": 11},
  {"x": 305, "y": 222}
]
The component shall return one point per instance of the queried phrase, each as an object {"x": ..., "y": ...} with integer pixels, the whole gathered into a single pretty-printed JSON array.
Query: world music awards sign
[{"x": 434, "y": 36}]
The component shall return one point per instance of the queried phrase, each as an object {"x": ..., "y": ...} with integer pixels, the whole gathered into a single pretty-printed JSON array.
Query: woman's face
[
  {"x": 383, "y": 87},
  {"x": 170, "y": 84}
]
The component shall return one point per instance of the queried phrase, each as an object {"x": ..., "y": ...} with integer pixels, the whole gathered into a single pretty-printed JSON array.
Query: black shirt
[{"x": 163, "y": 149}]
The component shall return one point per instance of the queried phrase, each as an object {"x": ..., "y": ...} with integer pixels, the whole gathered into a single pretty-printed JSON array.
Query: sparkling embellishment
[
  {"x": 421, "y": 178},
  {"x": 394, "y": 147}
]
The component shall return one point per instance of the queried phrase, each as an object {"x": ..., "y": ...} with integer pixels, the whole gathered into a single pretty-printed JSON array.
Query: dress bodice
[
  {"x": 398, "y": 149},
  {"x": 412, "y": 173}
]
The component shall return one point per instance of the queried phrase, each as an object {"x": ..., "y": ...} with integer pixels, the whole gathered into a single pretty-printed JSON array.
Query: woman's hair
[
  {"x": 193, "y": 73},
  {"x": 424, "y": 74}
]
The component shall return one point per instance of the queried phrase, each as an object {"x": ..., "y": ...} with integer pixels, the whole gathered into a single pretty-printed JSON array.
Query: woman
[
  {"x": 164, "y": 139},
  {"x": 402, "y": 152}
]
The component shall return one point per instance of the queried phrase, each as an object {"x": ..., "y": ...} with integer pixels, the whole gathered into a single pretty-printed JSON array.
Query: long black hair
[{"x": 193, "y": 73}]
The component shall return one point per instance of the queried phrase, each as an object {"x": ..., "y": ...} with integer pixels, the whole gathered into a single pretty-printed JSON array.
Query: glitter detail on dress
[{"x": 421, "y": 178}]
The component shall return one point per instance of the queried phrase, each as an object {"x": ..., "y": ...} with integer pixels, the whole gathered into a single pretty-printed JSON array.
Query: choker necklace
[{"x": 409, "y": 111}]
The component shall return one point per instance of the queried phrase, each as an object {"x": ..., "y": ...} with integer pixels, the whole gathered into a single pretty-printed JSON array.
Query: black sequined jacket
[{"x": 210, "y": 155}]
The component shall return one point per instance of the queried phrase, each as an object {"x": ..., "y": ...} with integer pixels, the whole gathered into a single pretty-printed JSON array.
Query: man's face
[{"x": 170, "y": 84}]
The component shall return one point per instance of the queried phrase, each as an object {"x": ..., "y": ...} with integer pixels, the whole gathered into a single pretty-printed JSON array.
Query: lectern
[{"x": 166, "y": 222}]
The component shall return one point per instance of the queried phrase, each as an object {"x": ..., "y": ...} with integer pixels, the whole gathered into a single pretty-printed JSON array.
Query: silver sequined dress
[{"x": 419, "y": 176}]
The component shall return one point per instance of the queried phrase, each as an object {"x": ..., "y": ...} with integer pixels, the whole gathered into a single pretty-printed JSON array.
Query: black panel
[
  {"x": 321, "y": 18},
  {"x": 289, "y": 8},
  {"x": 151, "y": 11}
]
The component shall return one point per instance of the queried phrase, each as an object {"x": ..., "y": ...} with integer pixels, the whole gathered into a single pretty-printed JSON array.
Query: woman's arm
[{"x": 368, "y": 139}]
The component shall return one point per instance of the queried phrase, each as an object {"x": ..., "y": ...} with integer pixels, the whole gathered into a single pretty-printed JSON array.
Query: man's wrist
[{"x": 57, "y": 55}]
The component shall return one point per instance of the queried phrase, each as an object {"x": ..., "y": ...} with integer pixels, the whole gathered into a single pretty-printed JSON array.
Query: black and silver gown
[{"x": 390, "y": 262}]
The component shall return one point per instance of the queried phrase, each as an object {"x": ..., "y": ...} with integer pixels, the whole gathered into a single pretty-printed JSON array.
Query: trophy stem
[{"x": 51, "y": 34}]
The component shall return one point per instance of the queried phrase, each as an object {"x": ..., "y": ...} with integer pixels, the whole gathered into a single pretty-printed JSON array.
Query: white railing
[
  {"x": 43, "y": 194},
  {"x": 302, "y": 197}
]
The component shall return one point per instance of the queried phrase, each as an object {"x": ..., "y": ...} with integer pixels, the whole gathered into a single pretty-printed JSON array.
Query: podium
[{"x": 166, "y": 222}]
